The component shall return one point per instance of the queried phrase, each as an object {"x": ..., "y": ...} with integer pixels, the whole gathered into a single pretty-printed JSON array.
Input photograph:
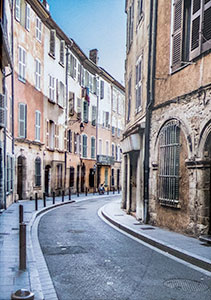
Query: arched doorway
[
  {"x": 47, "y": 180},
  {"x": 21, "y": 184}
]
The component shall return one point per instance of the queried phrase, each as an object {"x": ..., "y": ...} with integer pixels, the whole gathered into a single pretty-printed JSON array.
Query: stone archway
[{"x": 21, "y": 180}]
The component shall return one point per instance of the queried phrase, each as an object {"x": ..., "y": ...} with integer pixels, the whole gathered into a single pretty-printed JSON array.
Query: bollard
[
  {"x": 44, "y": 200},
  {"x": 107, "y": 191},
  {"x": 77, "y": 193},
  {"x": 118, "y": 190},
  {"x": 36, "y": 202},
  {"x": 62, "y": 196},
  {"x": 69, "y": 194},
  {"x": 22, "y": 246},
  {"x": 22, "y": 294},
  {"x": 20, "y": 214},
  {"x": 86, "y": 190},
  {"x": 53, "y": 197},
  {"x": 93, "y": 191},
  {"x": 113, "y": 190}
]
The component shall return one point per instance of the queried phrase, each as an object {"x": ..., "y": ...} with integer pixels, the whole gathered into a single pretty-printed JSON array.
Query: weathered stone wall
[{"x": 193, "y": 112}]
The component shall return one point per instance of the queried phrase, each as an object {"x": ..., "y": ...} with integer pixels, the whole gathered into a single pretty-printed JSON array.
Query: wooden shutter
[
  {"x": 56, "y": 136},
  {"x": 79, "y": 144},
  {"x": 65, "y": 139},
  {"x": 22, "y": 120},
  {"x": 52, "y": 41},
  {"x": 71, "y": 103},
  {"x": 74, "y": 68},
  {"x": 17, "y": 10},
  {"x": 2, "y": 110},
  {"x": 206, "y": 30},
  {"x": 196, "y": 27},
  {"x": 101, "y": 89},
  {"x": 57, "y": 91},
  {"x": 62, "y": 46},
  {"x": 47, "y": 134},
  {"x": 75, "y": 142},
  {"x": 177, "y": 34}
]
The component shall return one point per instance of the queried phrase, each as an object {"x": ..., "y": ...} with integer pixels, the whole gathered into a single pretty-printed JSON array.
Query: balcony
[{"x": 105, "y": 160}]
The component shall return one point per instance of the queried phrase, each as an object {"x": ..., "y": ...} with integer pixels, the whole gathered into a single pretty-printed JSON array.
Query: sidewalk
[
  {"x": 11, "y": 278},
  {"x": 186, "y": 248}
]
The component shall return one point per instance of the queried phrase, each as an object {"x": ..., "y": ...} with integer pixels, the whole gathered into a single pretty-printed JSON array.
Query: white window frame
[
  {"x": 38, "y": 29},
  {"x": 138, "y": 86},
  {"x": 24, "y": 120},
  {"x": 93, "y": 149},
  {"x": 18, "y": 10},
  {"x": 84, "y": 149},
  {"x": 27, "y": 24},
  {"x": 52, "y": 88}
]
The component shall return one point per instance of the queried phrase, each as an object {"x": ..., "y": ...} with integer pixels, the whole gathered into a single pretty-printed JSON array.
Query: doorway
[
  {"x": 91, "y": 178},
  {"x": 21, "y": 184},
  {"x": 47, "y": 180},
  {"x": 83, "y": 173}
]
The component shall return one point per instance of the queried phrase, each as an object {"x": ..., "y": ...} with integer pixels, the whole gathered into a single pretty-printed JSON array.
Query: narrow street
[{"x": 89, "y": 260}]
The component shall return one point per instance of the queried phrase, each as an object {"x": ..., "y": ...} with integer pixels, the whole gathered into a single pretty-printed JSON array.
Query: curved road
[{"x": 89, "y": 260}]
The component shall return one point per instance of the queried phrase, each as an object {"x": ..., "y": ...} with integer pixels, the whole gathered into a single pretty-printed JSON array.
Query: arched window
[
  {"x": 38, "y": 171},
  {"x": 169, "y": 153}
]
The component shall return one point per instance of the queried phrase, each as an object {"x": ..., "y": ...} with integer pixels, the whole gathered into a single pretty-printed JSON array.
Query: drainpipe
[
  {"x": 97, "y": 116},
  {"x": 150, "y": 101},
  {"x": 66, "y": 110},
  {"x": 12, "y": 77}
]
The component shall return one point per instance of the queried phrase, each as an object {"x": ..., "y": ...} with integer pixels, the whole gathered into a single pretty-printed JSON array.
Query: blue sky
[{"x": 97, "y": 24}]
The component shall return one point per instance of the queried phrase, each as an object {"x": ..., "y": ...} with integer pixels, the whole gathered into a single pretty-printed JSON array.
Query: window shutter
[
  {"x": 177, "y": 34},
  {"x": 206, "y": 30},
  {"x": 57, "y": 91},
  {"x": 65, "y": 139},
  {"x": 75, "y": 68},
  {"x": 71, "y": 103},
  {"x": 79, "y": 144},
  {"x": 2, "y": 110},
  {"x": 62, "y": 47},
  {"x": 75, "y": 142},
  {"x": 101, "y": 89},
  {"x": 52, "y": 41},
  {"x": 196, "y": 24},
  {"x": 22, "y": 120},
  {"x": 56, "y": 136},
  {"x": 47, "y": 133},
  {"x": 17, "y": 10}
]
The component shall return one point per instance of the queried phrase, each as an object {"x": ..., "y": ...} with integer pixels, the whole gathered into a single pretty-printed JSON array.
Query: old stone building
[
  {"x": 180, "y": 140},
  {"x": 136, "y": 82}
]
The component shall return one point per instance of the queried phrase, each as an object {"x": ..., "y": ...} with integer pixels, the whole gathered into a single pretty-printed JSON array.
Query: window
[
  {"x": 169, "y": 152},
  {"x": 86, "y": 78},
  {"x": 107, "y": 148},
  {"x": 100, "y": 147},
  {"x": 116, "y": 152},
  {"x": 138, "y": 85},
  {"x": 72, "y": 66},
  {"x": 22, "y": 64},
  {"x": 94, "y": 115},
  {"x": 106, "y": 119},
  {"x": 72, "y": 171},
  {"x": 69, "y": 141},
  {"x": 140, "y": 10},
  {"x": 37, "y": 74},
  {"x": 71, "y": 103},
  {"x": 118, "y": 132},
  {"x": 113, "y": 150},
  {"x": 51, "y": 88},
  {"x": 37, "y": 125},
  {"x": 52, "y": 42},
  {"x": 27, "y": 25},
  {"x": 61, "y": 92},
  {"x": 84, "y": 140},
  {"x": 79, "y": 108},
  {"x": 101, "y": 89},
  {"x": 79, "y": 73},
  {"x": 113, "y": 130},
  {"x": 129, "y": 100},
  {"x": 62, "y": 47},
  {"x": 92, "y": 147},
  {"x": 86, "y": 112},
  {"x": 9, "y": 173},
  {"x": 38, "y": 171},
  {"x": 59, "y": 176},
  {"x": 18, "y": 10},
  {"x": 191, "y": 33},
  {"x": 22, "y": 120},
  {"x": 130, "y": 21},
  {"x": 51, "y": 134},
  {"x": 38, "y": 29},
  {"x": 77, "y": 143}
]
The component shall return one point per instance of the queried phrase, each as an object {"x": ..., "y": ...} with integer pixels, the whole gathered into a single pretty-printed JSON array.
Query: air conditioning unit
[{"x": 2, "y": 111}]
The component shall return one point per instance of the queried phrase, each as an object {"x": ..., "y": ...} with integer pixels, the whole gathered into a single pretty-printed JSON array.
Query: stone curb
[
  {"x": 33, "y": 263},
  {"x": 177, "y": 252}
]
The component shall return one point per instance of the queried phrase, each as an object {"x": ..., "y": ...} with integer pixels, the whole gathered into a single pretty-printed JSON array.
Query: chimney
[{"x": 93, "y": 55}]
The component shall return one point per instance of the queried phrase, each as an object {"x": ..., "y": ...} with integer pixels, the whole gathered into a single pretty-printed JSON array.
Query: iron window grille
[{"x": 169, "y": 153}]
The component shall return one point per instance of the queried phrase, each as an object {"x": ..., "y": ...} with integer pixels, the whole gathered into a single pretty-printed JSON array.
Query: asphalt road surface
[{"x": 89, "y": 260}]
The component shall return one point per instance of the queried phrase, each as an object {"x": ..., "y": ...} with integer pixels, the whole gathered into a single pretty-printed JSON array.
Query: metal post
[
  {"x": 86, "y": 190},
  {"x": 113, "y": 190},
  {"x": 77, "y": 193},
  {"x": 93, "y": 190},
  {"x": 22, "y": 246},
  {"x": 36, "y": 202},
  {"x": 44, "y": 200},
  {"x": 107, "y": 191},
  {"x": 118, "y": 190},
  {"x": 69, "y": 194},
  {"x": 63, "y": 196},
  {"x": 20, "y": 214},
  {"x": 53, "y": 197}
]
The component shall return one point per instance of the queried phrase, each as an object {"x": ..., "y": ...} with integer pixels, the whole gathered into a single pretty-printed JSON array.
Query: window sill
[
  {"x": 36, "y": 187},
  {"x": 61, "y": 64},
  {"x": 51, "y": 55},
  {"x": 51, "y": 101},
  {"x": 170, "y": 203},
  {"x": 21, "y": 79},
  {"x": 38, "y": 89}
]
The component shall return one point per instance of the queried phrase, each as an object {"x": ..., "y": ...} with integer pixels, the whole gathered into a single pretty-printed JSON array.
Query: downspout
[
  {"x": 12, "y": 78},
  {"x": 66, "y": 110},
  {"x": 150, "y": 101},
  {"x": 97, "y": 116}
]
